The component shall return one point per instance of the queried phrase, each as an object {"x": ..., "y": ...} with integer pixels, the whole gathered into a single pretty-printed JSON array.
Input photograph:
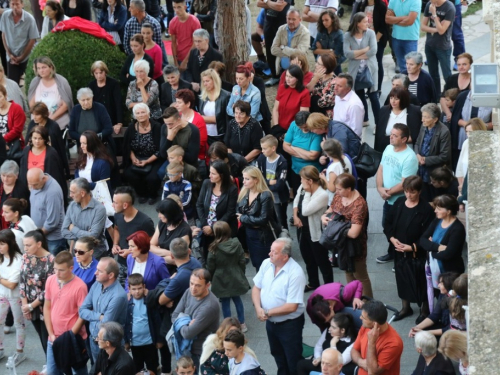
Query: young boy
[
  {"x": 179, "y": 186},
  {"x": 141, "y": 327},
  {"x": 190, "y": 173},
  {"x": 449, "y": 98},
  {"x": 181, "y": 30},
  {"x": 274, "y": 167},
  {"x": 185, "y": 366},
  {"x": 240, "y": 363}
]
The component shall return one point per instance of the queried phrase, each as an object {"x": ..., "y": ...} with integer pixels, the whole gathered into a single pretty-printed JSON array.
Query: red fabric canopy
[{"x": 85, "y": 26}]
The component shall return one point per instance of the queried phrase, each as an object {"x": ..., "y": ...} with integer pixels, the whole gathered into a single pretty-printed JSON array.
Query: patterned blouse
[
  {"x": 134, "y": 96},
  {"x": 216, "y": 364},
  {"x": 323, "y": 97},
  {"x": 212, "y": 215},
  {"x": 34, "y": 274},
  {"x": 143, "y": 145},
  {"x": 356, "y": 213}
]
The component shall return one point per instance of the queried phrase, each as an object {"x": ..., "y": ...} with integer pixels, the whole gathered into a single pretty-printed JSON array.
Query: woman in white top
[
  {"x": 339, "y": 163},
  {"x": 308, "y": 206},
  {"x": 10, "y": 269},
  {"x": 12, "y": 212}
]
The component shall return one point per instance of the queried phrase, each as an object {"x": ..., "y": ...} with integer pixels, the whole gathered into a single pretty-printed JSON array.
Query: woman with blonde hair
[
  {"x": 453, "y": 345},
  {"x": 213, "y": 359},
  {"x": 256, "y": 214},
  {"x": 308, "y": 206},
  {"x": 212, "y": 104}
]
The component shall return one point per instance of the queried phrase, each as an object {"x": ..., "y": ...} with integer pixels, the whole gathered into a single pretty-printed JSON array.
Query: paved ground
[{"x": 478, "y": 44}]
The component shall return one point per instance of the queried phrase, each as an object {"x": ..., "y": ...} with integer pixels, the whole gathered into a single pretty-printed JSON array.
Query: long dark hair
[
  {"x": 171, "y": 210},
  {"x": 335, "y": 21},
  {"x": 222, "y": 233},
  {"x": 105, "y": 5},
  {"x": 346, "y": 321},
  {"x": 9, "y": 238},
  {"x": 296, "y": 72},
  {"x": 320, "y": 308},
  {"x": 17, "y": 205},
  {"x": 356, "y": 19},
  {"x": 225, "y": 174},
  {"x": 94, "y": 147}
]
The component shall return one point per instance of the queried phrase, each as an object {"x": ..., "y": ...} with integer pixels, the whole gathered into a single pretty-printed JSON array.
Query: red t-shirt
[
  {"x": 65, "y": 303},
  {"x": 36, "y": 161},
  {"x": 200, "y": 124},
  {"x": 389, "y": 347},
  {"x": 290, "y": 101},
  {"x": 156, "y": 54},
  {"x": 183, "y": 32},
  {"x": 307, "y": 78}
]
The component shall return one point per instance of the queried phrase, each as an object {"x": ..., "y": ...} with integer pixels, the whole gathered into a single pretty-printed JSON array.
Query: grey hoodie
[{"x": 249, "y": 366}]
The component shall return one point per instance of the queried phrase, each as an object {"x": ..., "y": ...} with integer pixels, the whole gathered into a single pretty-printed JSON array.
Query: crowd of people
[{"x": 111, "y": 293}]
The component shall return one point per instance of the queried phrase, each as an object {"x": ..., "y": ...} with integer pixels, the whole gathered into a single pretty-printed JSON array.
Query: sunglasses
[
  {"x": 172, "y": 174},
  {"x": 81, "y": 252}
]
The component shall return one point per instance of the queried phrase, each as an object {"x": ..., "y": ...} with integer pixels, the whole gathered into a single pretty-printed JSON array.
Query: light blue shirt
[
  {"x": 396, "y": 166},
  {"x": 252, "y": 96},
  {"x": 403, "y": 8},
  {"x": 285, "y": 61},
  {"x": 140, "y": 324},
  {"x": 286, "y": 287}
]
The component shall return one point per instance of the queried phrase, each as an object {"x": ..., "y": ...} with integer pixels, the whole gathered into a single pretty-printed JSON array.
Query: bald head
[
  {"x": 36, "y": 178},
  {"x": 331, "y": 362}
]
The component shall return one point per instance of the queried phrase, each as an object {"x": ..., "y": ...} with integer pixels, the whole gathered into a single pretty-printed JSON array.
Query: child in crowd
[
  {"x": 141, "y": 327},
  {"x": 240, "y": 363},
  {"x": 449, "y": 98},
  {"x": 274, "y": 168},
  {"x": 459, "y": 299},
  {"x": 179, "y": 186},
  {"x": 190, "y": 173},
  {"x": 338, "y": 164},
  {"x": 226, "y": 263},
  {"x": 185, "y": 366}
]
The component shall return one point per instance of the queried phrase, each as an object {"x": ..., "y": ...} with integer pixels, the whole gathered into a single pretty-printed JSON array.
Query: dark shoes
[
  {"x": 420, "y": 319},
  {"x": 403, "y": 314},
  {"x": 309, "y": 288},
  {"x": 143, "y": 200},
  {"x": 385, "y": 259},
  {"x": 151, "y": 201}
]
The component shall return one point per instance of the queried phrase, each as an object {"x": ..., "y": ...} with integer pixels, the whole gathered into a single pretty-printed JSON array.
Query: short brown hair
[
  {"x": 452, "y": 94},
  {"x": 185, "y": 362},
  {"x": 171, "y": 112},
  {"x": 303, "y": 60},
  {"x": 413, "y": 183},
  {"x": 243, "y": 107},
  {"x": 176, "y": 150},
  {"x": 346, "y": 181},
  {"x": 187, "y": 96},
  {"x": 64, "y": 257},
  {"x": 137, "y": 38},
  {"x": 40, "y": 108},
  {"x": 135, "y": 279},
  {"x": 203, "y": 274},
  {"x": 270, "y": 140},
  {"x": 101, "y": 65},
  {"x": 402, "y": 94},
  {"x": 448, "y": 202},
  {"x": 329, "y": 62},
  {"x": 175, "y": 167},
  {"x": 317, "y": 120}
]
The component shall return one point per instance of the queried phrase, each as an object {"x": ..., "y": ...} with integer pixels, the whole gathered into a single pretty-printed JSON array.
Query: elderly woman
[
  {"x": 433, "y": 145},
  {"x": 14, "y": 93},
  {"x": 52, "y": 89},
  {"x": 144, "y": 89},
  {"x": 323, "y": 81},
  {"x": 246, "y": 91},
  {"x": 127, "y": 74},
  {"x": 303, "y": 146},
  {"x": 243, "y": 133},
  {"x": 430, "y": 361},
  {"x": 291, "y": 98},
  {"x": 85, "y": 263},
  {"x": 349, "y": 203},
  {"x": 141, "y": 155},
  {"x": 460, "y": 80},
  {"x": 152, "y": 267},
  {"x": 421, "y": 83},
  {"x": 12, "y": 118},
  {"x": 173, "y": 83},
  {"x": 212, "y": 105},
  {"x": 360, "y": 48},
  {"x": 444, "y": 238},
  {"x": 40, "y": 117},
  {"x": 11, "y": 186},
  {"x": 54, "y": 14},
  {"x": 399, "y": 111},
  {"x": 200, "y": 57},
  {"x": 402, "y": 80},
  {"x": 112, "y": 18},
  {"x": 407, "y": 220},
  {"x": 107, "y": 92},
  {"x": 88, "y": 115},
  {"x": 330, "y": 38}
]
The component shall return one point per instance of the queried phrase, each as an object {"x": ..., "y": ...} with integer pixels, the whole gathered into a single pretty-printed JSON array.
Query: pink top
[
  {"x": 156, "y": 54},
  {"x": 332, "y": 292}
]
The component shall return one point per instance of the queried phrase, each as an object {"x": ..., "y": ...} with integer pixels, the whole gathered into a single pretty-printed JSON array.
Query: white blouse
[{"x": 395, "y": 119}]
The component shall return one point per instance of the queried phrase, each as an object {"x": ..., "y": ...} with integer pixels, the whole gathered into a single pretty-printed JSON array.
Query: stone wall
[{"x": 484, "y": 230}]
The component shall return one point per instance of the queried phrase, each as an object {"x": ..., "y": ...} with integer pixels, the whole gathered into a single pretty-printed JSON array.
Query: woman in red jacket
[{"x": 12, "y": 119}]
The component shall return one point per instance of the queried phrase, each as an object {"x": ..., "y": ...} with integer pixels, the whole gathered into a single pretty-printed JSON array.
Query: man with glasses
[
  {"x": 112, "y": 359},
  {"x": 106, "y": 301},
  {"x": 64, "y": 293},
  {"x": 398, "y": 162}
]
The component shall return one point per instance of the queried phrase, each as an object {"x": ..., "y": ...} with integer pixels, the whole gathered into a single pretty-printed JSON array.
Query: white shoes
[
  {"x": 15, "y": 360},
  {"x": 7, "y": 330},
  {"x": 244, "y": 328}
]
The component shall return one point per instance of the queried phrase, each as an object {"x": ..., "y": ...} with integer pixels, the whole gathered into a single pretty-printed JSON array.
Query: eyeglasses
[
  {"x": 172, "y": 174},
  {"x": 81, "y": 252}
]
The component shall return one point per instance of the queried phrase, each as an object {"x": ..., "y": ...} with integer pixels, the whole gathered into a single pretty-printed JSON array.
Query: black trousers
[
  {"x": 42, "y": 333},
  {"x": 146, "y": 185},
  {"x": 271, "y": 26},
  {"x": 315, "y": 256},
  {"x": 15, "y": 72},
  {"x": 145, "y": 356}
]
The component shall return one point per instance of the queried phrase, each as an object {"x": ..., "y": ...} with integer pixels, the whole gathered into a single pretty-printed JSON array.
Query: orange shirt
[
  {"x": 36, "y": 161},
  {"x": 389, "y": 347}
]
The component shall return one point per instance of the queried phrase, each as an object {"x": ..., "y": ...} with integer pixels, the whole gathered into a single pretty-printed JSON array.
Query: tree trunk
[{"x": 232, "y": 34}]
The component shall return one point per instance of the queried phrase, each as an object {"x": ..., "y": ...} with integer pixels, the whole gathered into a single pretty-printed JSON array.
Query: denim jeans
[
  {"x": 401, "y": 48},
  {"x": 258, "y": 246},
  {"x": 285, "y": 341},
  {"x": 56, "y": 246},
  {"x": 52, "y": 368},
  {"x": 238, "y": 303},
  {"x": 435, "y": 58},
  {"x": 457, "y": 35}
]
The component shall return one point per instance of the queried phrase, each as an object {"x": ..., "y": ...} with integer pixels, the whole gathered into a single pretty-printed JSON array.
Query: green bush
[{"x": 73, "y": 53}]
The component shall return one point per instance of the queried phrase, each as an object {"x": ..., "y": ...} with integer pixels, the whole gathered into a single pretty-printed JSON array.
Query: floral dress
[
  {"x": 34, "y": 274},
  {"x": 216, "y": 364},
  {"x": 323, "y": 97}
]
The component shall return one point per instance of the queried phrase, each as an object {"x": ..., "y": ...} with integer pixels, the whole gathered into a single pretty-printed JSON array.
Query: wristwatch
[{"x": 30, "y": 307}]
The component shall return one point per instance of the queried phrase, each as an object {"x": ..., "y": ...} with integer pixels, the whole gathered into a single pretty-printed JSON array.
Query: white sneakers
[{"x": 15, "y": 360}]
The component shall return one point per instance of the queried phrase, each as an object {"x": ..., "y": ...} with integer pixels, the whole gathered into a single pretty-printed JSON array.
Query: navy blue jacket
[
  {"x": 120, "y": 15},
  {"x": 102, "y": 120},
  {"x": 345, "y": 135},
  {"x": 280, "y": 187},
  {"x": 101, "y": 170},
  {"x": 154, "y": 321}
]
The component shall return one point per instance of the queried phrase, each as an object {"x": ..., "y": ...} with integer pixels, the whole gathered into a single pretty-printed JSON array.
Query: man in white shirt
[
  {"x": 278, "y": 297},
  {"x": 313, "y": 9},
  {"x": 348, "y": 106}
]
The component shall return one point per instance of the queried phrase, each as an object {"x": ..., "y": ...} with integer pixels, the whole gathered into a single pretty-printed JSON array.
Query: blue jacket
[
  {"x": 176, "y": 342},
  {"x": 345, "y": 135},
  {"x": 156, "y": 270},
  {"x": 154, "y": 321},
  {"x": 120, "y": 15},
  {"x": 101, "y": 170},
  {"x": 102, "y": 120}
]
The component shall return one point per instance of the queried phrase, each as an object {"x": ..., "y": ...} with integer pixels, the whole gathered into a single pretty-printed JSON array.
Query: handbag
[
  {"x": 15, "y": 152},
  {"x": 435, "y": 270},
  {"x": 367, "y": 161},
  {"x": 101, "y": 194},
  {"x": 142, "y": 170},
  {"x": 363, "y": 79}
]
